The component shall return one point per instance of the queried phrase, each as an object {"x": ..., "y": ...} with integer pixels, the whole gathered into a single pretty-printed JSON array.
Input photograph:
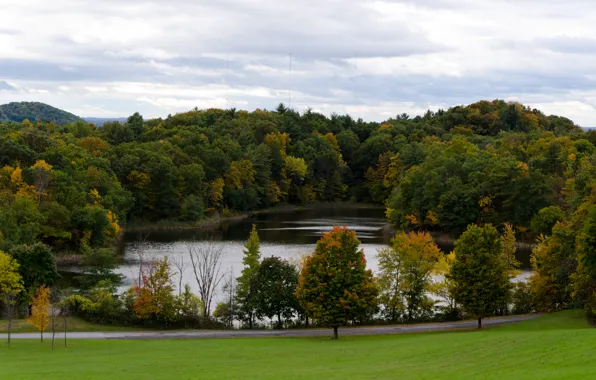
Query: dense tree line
[
  {"x": 415, "y": 282},
  {"x": 72, "y": 186},
  {"x": 483, "y": 173}
]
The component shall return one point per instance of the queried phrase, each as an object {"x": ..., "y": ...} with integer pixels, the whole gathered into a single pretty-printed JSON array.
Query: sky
[{"x": 371, "y": 59}]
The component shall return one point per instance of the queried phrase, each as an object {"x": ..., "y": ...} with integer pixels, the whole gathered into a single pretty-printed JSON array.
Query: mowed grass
[
  {"x": 557, "y": 346},
  {"x": 73, "y": 324}
]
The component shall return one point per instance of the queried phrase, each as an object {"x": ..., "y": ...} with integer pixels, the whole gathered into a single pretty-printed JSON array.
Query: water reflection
[{"x": 288, "y": 235}]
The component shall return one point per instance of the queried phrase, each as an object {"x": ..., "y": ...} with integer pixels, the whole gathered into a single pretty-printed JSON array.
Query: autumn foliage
[
  {"x": 334, "y": 285},
  {"x": 154, "y": 297},
  {"x": 405, "y": 275},
  {"x": 40, "y": 318}
]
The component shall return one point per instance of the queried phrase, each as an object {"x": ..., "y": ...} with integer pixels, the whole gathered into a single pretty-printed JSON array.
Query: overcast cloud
[{"x": 372, "y": 59}]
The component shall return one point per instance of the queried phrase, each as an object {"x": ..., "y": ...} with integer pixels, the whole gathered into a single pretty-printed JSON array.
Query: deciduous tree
[
  {"x": 155, "y": 297},
  {"x": 40, "y": 310},
  {"x": 273, "y": 286},
  {"x": 334, "y": 285},
  {"x": 11, "y": 284},
  {"x": 206, "y": 259},
  {"x": 481, "y": 277},
  {"x": 405, "y": 274},
  {"x": 37, "y": 265}
]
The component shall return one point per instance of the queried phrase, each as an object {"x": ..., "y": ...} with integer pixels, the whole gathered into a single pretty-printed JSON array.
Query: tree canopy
[
  {"x": 75, "y": 185},
  {"x": 334, "y": 285},
  {"x": 480, "y": 275}
]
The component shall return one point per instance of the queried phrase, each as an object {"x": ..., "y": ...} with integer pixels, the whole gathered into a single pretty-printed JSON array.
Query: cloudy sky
[{"x": 372, "y": 59}]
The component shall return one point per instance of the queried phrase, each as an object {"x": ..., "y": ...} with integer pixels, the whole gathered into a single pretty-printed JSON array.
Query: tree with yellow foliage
[
  {"x": 11, "y": 284},
  {"x": 40, "y": 318},
  {"x": 42, "y": 178},
  {"x": 405, "y": 274},
  {"x": 509, "y": 249},
  {"x": 442, "y": 286}
]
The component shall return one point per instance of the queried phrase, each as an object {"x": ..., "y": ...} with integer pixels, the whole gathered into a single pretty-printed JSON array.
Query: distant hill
[
  {"x": 34, "y": 111},
  {"x": 99, "y": 121}
]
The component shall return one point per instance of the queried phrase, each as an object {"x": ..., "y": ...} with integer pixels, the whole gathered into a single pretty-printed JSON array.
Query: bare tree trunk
[
  {"x": 206, "y": 259},
  {"x": 64, "y": 314},
  {"x": 53, "y": 326},
  {"x": 141, "y": 238},
  {"x": 9, "y": 312},
  {"x": 10, "y": 301},
  {"x": 479, "y": 322},
  {"x": 9, "y": 329},
  {"x": 179, "y": 264},
  {"x": 335, "y": 333},
  {"x": 231, "y": 299}
]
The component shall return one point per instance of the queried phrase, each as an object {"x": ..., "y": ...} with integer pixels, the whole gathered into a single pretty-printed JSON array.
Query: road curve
[{"x": 213, "y": 334}]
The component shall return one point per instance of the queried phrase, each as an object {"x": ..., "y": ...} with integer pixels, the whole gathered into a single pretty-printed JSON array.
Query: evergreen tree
[{"x": 252, "y": 256}]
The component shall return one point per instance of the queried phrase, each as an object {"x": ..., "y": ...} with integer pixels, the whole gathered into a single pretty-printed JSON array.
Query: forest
[
  {"x": 35, "y": 111},
  {"x": 74, "y": 187}
]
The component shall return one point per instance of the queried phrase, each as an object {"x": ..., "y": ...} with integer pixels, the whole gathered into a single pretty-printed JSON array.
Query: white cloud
[{"x": 373, "y": 58}]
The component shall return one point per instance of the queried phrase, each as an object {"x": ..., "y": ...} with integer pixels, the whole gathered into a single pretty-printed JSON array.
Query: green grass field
[
  {"x": 557, "y": 346},
  {"x": 73, "y": 324}
]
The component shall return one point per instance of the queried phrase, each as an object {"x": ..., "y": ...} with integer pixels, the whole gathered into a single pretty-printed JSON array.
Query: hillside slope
[{"x": 34, "y": 111}]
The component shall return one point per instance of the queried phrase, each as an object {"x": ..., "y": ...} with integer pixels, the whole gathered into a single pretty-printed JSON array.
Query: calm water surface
[
  {"x": 285, "y": 234},
  {"x": 288, "y": 235}
]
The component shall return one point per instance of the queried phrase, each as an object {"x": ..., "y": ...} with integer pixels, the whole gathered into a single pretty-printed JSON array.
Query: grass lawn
[
  {"x": 557, "y": 346},
  {"x": 73, "y": 324}
]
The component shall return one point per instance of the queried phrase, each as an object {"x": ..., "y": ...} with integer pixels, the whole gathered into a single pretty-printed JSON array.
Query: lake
[{"x": 285, "y": 234}]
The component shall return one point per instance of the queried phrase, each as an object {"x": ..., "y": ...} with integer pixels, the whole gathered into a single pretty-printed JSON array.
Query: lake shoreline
[{"x": 214, "y": 221}]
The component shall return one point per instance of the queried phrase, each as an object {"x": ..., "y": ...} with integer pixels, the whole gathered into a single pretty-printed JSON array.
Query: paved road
[{"x": 201, "y": 334}]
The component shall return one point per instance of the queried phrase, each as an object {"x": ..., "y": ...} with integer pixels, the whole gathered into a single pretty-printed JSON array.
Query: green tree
[
  {"x": 244, "y": 292},
  {"x": 135, "y": 123},
  {"x": 274, "y": 285},
  {"x": 545, "y": 220},
  {"x": 554, "y": 261},
  {"x": 295, "y": 169},
  {"x": 334, "y": 285},
  {"x": 37, "y": 265},
  {"x": 584, "y": 280},
  {"x": 189, "y": 305},
  {"x": 192, "y": 209},
  {"x": 98, "y": 265},
  {"x": 481, "y": 278}
]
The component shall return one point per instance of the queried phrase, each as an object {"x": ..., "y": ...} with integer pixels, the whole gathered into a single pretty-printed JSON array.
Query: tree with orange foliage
[
  {"x": 334, "y": 286},
  {"x": 155, "y": 296},
  {"x": 40, "y": 318}
]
